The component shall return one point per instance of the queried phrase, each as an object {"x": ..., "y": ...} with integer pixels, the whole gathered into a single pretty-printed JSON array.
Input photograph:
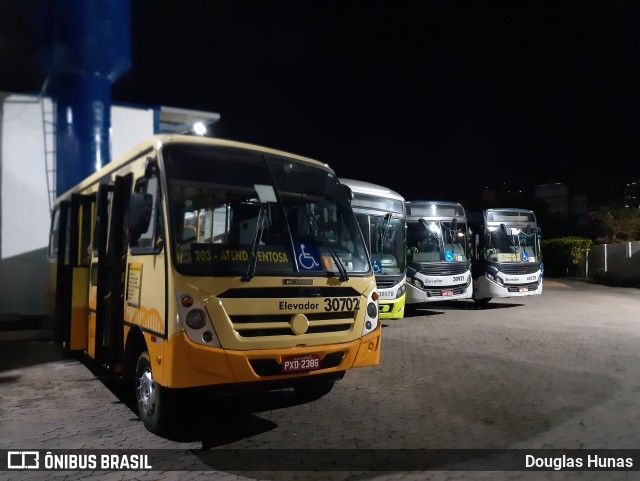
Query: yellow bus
[{"x": 199, "y": 262}]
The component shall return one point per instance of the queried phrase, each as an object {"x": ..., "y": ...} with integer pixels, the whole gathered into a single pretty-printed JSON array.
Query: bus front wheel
[{"x": 150, "y": 398}]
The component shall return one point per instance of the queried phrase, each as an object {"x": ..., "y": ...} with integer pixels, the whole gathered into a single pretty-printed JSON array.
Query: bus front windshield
[
  {"x": 385, "y": 236},
  {"x": 237, "y": 212},
  {"x": 511, "y": 244},
  {"x": 437, "y": 241}
]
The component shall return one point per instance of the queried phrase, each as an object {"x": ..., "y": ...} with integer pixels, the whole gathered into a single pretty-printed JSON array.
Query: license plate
[
  {"x": 447, "y": 293},
  {"x": 310, "y": 362},
  {"x": 524, "y": 289}
]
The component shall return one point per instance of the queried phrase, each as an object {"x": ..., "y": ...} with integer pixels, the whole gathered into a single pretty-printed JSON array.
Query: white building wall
[{"x": 24, "y": 213}]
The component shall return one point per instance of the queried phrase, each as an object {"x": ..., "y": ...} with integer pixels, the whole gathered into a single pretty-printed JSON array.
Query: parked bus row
[
  {"x": 449, "y": 253},
  {"x": 197, "y": 263}
]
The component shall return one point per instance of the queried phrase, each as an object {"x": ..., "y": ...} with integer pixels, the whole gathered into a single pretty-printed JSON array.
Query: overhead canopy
[{"x": 172, "y": 120}]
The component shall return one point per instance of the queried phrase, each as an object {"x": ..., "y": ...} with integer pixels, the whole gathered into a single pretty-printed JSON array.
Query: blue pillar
[
  {"x": 83, "y": 121},
  {"x": 87, "y": 49}
]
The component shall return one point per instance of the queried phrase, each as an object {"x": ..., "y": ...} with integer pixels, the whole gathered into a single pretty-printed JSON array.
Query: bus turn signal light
[{"x": 187, "y": 301}]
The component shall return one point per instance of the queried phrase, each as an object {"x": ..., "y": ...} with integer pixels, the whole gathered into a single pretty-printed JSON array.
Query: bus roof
[
  {"x": 361, "y": 187},
  {"x": 509, "y": 214},
  {"x": 156, "y": 142},
  {"x": 435, "y": 208}
]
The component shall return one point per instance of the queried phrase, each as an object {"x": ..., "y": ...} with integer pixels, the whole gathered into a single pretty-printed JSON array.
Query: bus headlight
[
  {"x": 371, "y": 315},
  {"x": 401, "y": 291},
  {"x": 195, "y": 319}
]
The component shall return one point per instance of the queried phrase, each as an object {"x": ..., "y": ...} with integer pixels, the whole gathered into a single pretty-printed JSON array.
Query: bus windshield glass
[
  {"x": 236, "y": 212},
  {"x": 437, "y": 241},
  {"x": 511, "y": 244},
  {"x": 385, "y": 236}
]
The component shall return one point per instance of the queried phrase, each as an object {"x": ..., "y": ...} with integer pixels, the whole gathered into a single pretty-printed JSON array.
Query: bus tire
[
  {"x": 151, "y": 398},
  {"x": 313, "y": 390}
]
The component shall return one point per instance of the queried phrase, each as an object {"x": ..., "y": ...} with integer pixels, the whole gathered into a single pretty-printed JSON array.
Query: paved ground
[{"x": 553, "y": 371}]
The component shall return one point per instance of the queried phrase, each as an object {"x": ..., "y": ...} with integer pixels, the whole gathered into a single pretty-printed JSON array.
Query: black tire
[
  {"x": 313, "y": 390},
  {"x": 151, "y": 398},
  {"x": 482, "y": 302}
]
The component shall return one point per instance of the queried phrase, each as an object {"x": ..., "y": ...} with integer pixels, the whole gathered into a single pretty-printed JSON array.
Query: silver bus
[
  {"x": 506, "y": 256},
  {"x": 438, "y": 265},
  {"x": 381, "y": 215}
]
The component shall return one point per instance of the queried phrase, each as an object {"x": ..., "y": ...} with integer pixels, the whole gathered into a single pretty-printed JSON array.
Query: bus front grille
[
  {"x": 456, "y": 290},
  {"x": 520, "y": 287},
  {"x": 280, "y": 324},
  {"x": 519, "y": 269},
  {"x": 443, "y": 269}
]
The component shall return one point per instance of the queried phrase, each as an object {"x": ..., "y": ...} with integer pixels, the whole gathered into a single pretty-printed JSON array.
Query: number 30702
[{"x": 341, "y": 304}]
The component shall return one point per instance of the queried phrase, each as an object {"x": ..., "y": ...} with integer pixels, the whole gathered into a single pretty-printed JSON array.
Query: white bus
[
  {"x": 438, "y": 265},
  {"x": 506, "y": 255},
  {"x": 382, "y": 217}
]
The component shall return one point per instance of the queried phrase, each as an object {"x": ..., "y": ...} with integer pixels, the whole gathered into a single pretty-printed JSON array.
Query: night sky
[{"x": 432, "y": 99}]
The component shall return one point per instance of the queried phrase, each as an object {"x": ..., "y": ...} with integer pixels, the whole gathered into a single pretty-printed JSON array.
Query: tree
[{"x": 616, "y": 224}]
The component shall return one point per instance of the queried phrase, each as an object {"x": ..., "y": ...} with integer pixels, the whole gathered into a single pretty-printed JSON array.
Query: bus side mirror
[
  {"x": 140, "y": 208},
  {"x": 348, "y": 192}
]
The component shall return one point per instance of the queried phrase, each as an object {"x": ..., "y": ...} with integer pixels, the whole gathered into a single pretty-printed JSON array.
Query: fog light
[
  {"x": 207, "y": 336},
  {"x": 367, "y": 325},
  {"x": 195, "y": 319},
  {"x": 372, "y": 310}
]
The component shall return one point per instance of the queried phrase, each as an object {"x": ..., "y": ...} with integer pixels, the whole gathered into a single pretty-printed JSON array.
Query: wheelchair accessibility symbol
[
  {"x": 525, "y": 257},
  {"x": 377, "y": 266},
  {"x": 448, "y": 256},
  {"x": 308, "y": 257}
]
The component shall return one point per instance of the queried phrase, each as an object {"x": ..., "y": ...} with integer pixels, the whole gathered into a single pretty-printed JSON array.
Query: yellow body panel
[
  {"x": 91, "y": 335},
  {"x": 79, "y": 309},
  {"x": 392, "y": 309}
]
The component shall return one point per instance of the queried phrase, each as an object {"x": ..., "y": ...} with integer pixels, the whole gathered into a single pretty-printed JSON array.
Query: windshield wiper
[
  {"x": 509, "y": 236},
  {"x": 386, "y": 224},
  {"x": 336, "y": 260},
  {"x": 253, "y": 259}
]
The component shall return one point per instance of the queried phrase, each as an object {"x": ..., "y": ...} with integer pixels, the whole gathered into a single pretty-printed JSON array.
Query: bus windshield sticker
[
  {"x": 308, "y": 257},
  {"x": 225, "y": 257},
  {"x": 134, "y": 284},
  {"x": 507, "y": 257},
  {"x": 448, "y": 256}
]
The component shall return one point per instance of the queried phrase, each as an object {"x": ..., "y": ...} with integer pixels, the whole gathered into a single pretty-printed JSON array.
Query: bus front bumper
[{"x": 187, "y": 364}]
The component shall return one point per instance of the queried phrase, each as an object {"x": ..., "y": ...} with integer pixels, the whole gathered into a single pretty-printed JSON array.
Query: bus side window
[
  {"x": 149, "y": 241},
  {"x": 54, "y": 234}
]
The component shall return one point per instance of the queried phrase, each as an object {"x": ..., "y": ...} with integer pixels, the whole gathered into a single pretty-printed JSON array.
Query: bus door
[
  {"x": 106, "y": 299},
  {"x": 72, "y": 276}
]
